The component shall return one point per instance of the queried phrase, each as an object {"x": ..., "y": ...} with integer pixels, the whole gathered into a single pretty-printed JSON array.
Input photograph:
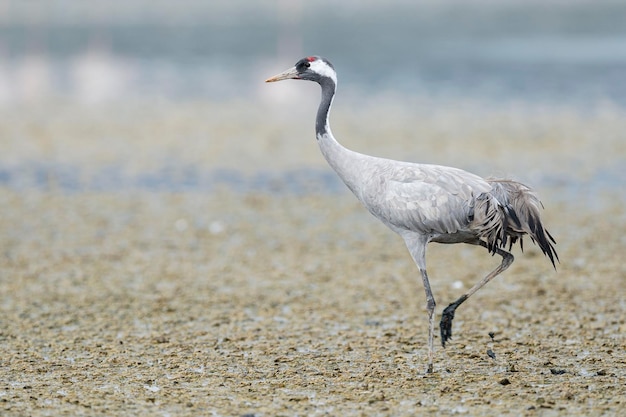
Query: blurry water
[
  {"x": 564, "y": 52},
  {"x": 175, "y": 177},
  {"x": 551, "y": 54}
]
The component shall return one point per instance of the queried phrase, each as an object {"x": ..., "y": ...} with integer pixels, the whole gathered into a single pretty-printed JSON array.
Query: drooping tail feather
[{"x": 520, "y": 215}]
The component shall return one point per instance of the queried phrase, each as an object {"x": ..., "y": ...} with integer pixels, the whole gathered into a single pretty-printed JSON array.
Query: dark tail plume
[{"x": 521, "y": 216}]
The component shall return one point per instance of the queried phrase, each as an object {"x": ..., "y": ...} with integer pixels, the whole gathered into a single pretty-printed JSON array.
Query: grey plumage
[{"x": 429, "y": 203}]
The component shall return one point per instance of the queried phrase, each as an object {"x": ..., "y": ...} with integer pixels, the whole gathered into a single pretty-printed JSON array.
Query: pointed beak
[{"x": 291, "y": 73}]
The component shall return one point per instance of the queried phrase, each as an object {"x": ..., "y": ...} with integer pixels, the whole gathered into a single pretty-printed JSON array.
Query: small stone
[
  {"x": 555, "y": 371},
  {"x": 504, "y": 381}
]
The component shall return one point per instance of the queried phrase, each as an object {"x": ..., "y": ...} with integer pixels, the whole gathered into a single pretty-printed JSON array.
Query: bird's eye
[{"x": 307, "y": 64}]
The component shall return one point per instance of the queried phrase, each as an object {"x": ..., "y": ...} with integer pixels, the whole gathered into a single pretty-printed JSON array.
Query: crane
[{"x": 429, "y": 203}]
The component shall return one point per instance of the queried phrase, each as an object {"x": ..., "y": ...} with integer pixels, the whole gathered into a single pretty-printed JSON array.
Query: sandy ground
[{"x": 143, "y": 302}]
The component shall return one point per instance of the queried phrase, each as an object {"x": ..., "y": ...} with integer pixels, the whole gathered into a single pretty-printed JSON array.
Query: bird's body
[{"x": 428, "y": 203}]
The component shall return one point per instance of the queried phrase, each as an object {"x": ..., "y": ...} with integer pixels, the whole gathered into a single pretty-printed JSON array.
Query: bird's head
[{"x": 311, "y": 68}]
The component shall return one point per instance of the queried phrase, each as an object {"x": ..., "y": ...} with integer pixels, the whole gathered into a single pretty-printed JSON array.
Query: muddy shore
[{"x": 228, "y": 302}]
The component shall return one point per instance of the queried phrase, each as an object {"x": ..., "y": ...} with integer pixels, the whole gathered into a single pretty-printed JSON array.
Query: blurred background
[
  {"x": 162, "y": 93},
  {"x": 565, "y": 51}
]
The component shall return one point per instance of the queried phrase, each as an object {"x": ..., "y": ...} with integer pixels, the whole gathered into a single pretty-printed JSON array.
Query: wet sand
[{"x": 223, "y": 302}]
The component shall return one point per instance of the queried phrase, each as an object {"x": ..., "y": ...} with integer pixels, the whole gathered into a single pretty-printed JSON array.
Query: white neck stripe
[{"x": 320, "y": 67}]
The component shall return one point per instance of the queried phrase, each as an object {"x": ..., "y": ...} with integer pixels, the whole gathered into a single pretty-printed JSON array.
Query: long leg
[
  {"x": 430, "y": 308},
  {"x": 448, "y": 314},
  {"x": 417, "y": 247}
]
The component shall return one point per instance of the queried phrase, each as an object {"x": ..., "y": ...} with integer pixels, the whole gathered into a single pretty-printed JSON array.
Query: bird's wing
[{"x": 432, "y": 198}]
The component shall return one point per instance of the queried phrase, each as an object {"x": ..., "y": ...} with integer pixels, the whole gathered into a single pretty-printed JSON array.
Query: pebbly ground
[
  {"x": 155, "y": 301},
  {"x": 292, "y": 306}
]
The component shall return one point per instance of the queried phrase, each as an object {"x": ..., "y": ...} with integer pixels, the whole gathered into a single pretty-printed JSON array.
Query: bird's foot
[
  {"x": 446, "y": 320},
  {"x": 430, "y": 368},
  {"x": 446, "y": 324}
]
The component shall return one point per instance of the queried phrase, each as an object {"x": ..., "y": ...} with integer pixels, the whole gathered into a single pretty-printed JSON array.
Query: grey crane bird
[{"x": 428, "y": 203}]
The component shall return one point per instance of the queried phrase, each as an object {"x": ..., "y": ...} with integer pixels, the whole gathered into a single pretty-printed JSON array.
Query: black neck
[{"x": 328, "y": 92}]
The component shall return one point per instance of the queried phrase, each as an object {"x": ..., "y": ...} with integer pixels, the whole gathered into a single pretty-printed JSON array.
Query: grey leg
[
  {"x": 430, "y": 308},
  {"x": 448, "y": 313},
  {"x": 417, "y": 247}
]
